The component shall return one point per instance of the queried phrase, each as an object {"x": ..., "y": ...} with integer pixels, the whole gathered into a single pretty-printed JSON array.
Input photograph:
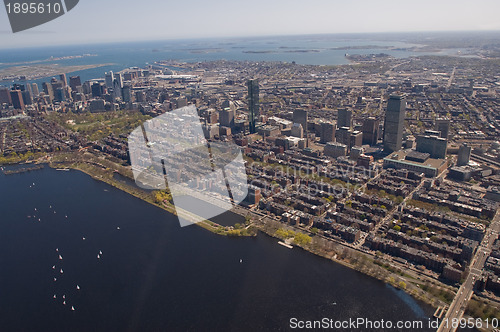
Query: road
[{"x": 464, "y": 294}]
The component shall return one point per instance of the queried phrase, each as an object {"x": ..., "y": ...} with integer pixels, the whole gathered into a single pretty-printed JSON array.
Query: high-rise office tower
[
  {"x": 344, "y": 118},
  {"x": 327, "y": 132},
  {"x": 27, "y": 96},
  {"x": 300, "y": 116},
  {"x": 463, "y": 155},
  {"x": 253, "y": 103},
  {"x": 5, "y": 95},
  {"x": 343, "y": 135},
  {"x": 119, "y": 79},
  {"x": 443, "y": 126},
  {"x": 432, "y": 144},
  {"x": 97, "y": 90},
  {"x": 394, "y": 123},
  {"x": 17, "y": 99},
  {"x": 297, "y": 130},
  {"x": 110, "y": 78},
  {"x": 59, "y": 94},
  {"x": 63, "y": 79},
  {"x": 371, "y": 131},
  {"x": 34, "y": 89},
  {"x": 74, "y": 82},
  {"x": 118, "y": 85},
  {"x": 226, "y": 117},
  {"x": 127, "y": 93},
  {"x": 47, "y": 88}
]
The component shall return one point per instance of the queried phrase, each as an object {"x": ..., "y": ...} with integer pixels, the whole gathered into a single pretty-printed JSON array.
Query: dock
[{"x": 285, "y": 244}]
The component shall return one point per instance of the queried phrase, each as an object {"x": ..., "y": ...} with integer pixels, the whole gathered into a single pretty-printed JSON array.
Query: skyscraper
[
  {"x": 34, "y": 89},
  {"x": 253, "y": 103},
  {"x": 394, "y": 123},
  {"x": 432, "y": 144},
  {"x": 110, "y": 78},
  {"x": 63, "y": 79},
  {"x": 47, "y": 88},
  {"x": 226, "y": 117},
  {"x": 17, "y": 99},
  {"x": 327, "y": 132},
  {"x": 371, "y": 131},
  {"x": 463, "y": 155},
  {"x": 75, "y": 81},
  {"x": 119, "y": 80},
  {"x": 300, "y": 116},
  {"x": 344, "y": 118},
  {"x": 97, "y": 90},
  {"x": 443, "y": 126},
  {"x": 5, "y": 95}
]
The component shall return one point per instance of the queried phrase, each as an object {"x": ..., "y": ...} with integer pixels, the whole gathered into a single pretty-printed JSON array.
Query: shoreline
[{"x": 377, "y": 268}]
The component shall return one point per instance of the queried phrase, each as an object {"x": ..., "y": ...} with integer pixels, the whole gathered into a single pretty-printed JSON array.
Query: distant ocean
[{"x": 310, "y": 50}]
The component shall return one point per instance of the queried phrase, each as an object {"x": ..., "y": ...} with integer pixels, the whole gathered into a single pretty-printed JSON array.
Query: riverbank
[
  {"x": 422, "y": 288},
  {"x": 105, "y": 170}
]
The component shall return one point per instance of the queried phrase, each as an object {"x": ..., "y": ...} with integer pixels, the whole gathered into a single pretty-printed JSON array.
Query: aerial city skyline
[{"x": 338, "y": 165}]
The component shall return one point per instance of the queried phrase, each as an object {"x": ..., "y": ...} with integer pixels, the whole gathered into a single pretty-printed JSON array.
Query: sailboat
[
  {"x": 60, "y": 257},
  {"x": 77, "y": 287},
  {"x": 72, "y": 308},
  {"x": 61, "y": 271},
  {"x": 98, "y": 256},
  {"x": 55, "y": 296}
]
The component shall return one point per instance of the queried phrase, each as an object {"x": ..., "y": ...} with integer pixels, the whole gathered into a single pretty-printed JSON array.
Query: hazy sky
[{"x": 94, "y": 21}]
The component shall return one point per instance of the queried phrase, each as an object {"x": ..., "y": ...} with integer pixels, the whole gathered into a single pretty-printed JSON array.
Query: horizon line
[{"x": 243, "y": 37}]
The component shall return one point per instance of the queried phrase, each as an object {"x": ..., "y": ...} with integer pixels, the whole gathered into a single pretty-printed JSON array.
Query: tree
[
  {"x": 302, "y": 239},
  {"x": 314, "y": 230},
  {"x": 402, "y": 285},
  {"x": 397, "y": 228}
]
